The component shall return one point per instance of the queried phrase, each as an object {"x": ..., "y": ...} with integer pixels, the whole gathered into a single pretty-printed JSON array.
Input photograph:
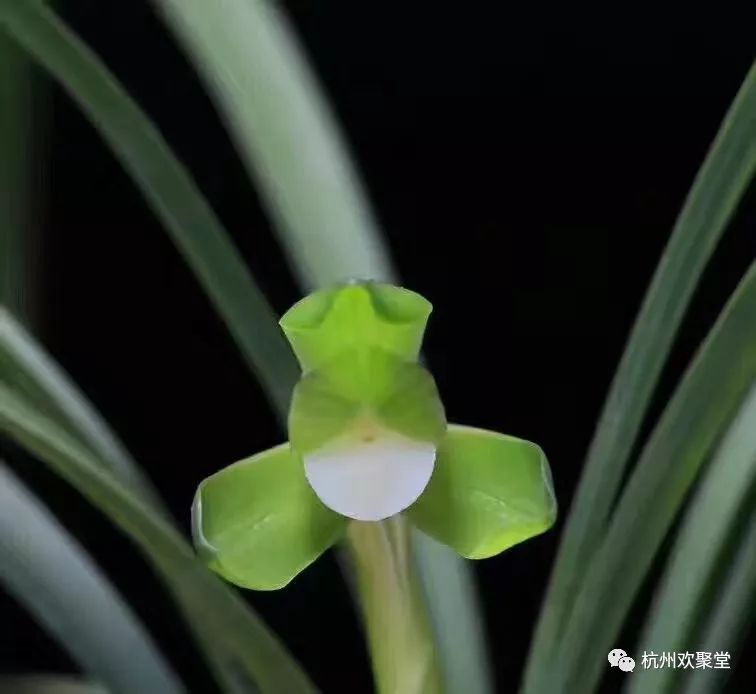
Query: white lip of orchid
[{"x": 371, "y": 474}]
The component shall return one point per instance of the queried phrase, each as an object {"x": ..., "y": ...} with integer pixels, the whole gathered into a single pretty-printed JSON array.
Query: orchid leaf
[
  {"x": 698, "y": 414},
  {"x": 127, "y": 130},
  {"x": 48, "y": 684},
  {"x": 711, "y": 518},
  {"x": 718, "y": 188},
  {"x": 488, "y": 492},
  {"x": 258, "y": 523},
  {"x": 285, "y": 132},
  {"x": 166, "y": 185},
  {"x": 53, "y": 577},
  {"x": 731, "y": 613},
  {"x": 217, "y": 615}
]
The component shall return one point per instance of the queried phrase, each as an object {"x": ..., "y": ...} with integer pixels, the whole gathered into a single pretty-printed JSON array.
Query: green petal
[
  {"x": 258, "y": 523},
  {"x": 359, "y": 315},
  {"x": 488, "y": 492},
  {"x": 360, "y": 390}
]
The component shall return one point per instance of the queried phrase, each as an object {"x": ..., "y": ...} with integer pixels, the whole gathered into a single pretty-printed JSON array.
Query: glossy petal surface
[
  {"x": 365, "y": 388},
  {"x": 355, "y": 316},
  {"x": 372, "y": 479},
  {"x": 367, "y": 426},
  {"x": 258, "y": 523},
  {"x": 488, "y": 492}
]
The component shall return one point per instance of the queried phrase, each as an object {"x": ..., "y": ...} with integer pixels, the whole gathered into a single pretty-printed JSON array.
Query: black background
[{"x": 527, "y": 167}]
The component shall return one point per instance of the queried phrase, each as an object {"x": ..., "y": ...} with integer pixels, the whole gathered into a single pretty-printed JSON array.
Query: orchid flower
[{"x": 368, "y": 439}]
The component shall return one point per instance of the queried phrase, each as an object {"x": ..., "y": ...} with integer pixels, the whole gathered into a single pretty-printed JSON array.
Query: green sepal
[
  {"x": 363, "y": 390},
  {"x": 258, "y": 523},
  {"x": 488, "y": 492},
  {"x": 356, "y": 316}
]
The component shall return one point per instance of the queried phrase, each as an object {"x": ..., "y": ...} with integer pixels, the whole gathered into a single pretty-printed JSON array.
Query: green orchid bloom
[{"x": 368, "y": 439}]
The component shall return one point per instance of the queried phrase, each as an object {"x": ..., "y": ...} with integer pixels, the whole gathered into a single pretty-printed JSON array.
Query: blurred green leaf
[
  {"x": 214, "y": 611},
  {"x": 709, "y": 519},
  {"x": 253, "y": 64},
  {"x": 16, "y": 149},
  {"x": 286, "y": 133},
  {"x": 47, "y": 684},
  {"x": 488, "y": 492},
  {"x": 456, "y": 615},
  {"x": 50, "y": 573},
  {"x": 716, "y": 192},
  {"x": 176, "y": 200},
  {"x": 700, "y": 410},
  {"x": 29, "y": 370},
  {"x": 25, "y": 366},
  {"x": 40, "y": 564},
  {"x": 732, "y": 612},
  {"x": 258, "y": 523},
  {"x": 165, "y": 184}
]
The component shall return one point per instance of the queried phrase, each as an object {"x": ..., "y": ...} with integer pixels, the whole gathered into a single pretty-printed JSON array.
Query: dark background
[{"x": 527, "y": 168}]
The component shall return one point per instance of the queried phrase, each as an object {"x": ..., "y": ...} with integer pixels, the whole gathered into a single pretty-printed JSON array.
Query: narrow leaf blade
[
  {"x": 47, "y": 684},
  {"x": 49, "y": 572},
  {"x": 287, "y": 134},
  {"x": 698, "y": 413},
  {"x": 166, "y": 185},
  {"x": 716, "y": 192},
  {"x": 16, "y": 234},
  {"x": 26, "y": 366},
  {"x": 731, "y": 614},
  {"x": 703, "y": 534},
  {"x": 213, "y": 611}
]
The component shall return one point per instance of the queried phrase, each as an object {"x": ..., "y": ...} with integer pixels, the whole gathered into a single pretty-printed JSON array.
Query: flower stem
[{"x": 396, "y": 621}]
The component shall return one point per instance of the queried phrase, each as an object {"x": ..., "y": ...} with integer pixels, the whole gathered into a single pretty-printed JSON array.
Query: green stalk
[{"x": 398, "y": 631}]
